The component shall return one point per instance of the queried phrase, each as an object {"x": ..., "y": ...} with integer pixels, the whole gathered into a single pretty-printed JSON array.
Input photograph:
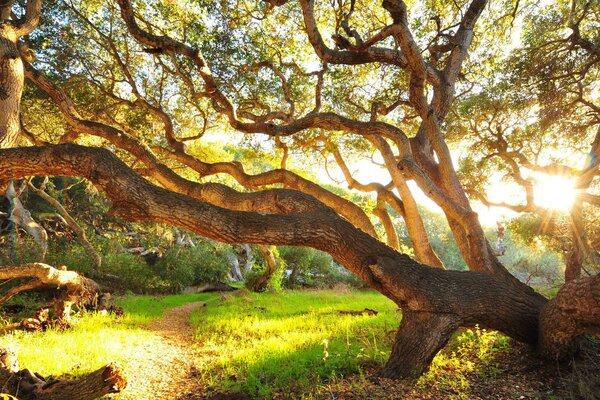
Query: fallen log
[
  {"x": 209, "y": 287},
  {"x": 77, "y": 288},
  {"x": 27, "y": 385}
]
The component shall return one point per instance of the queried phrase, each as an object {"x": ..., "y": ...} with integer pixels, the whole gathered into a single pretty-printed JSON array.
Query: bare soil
[{"x": 164, "y": 366}]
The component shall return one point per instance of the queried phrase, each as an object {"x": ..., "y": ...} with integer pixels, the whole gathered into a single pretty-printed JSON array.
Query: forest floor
[
  {"x": 291, "y": 345},
  {"x": 164, "y": 367}
]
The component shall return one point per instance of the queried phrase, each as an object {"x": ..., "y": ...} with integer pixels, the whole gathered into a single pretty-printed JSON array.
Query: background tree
[{"x": 540, "y": 126}]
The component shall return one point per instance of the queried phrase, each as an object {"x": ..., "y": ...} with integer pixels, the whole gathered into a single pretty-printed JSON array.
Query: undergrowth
[{"x": 293, "y": 344}]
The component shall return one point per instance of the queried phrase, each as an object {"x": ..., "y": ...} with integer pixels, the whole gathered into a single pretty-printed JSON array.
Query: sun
[{"x": 554, "y": 192}]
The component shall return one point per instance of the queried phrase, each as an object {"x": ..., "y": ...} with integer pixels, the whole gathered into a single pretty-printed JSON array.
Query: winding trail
[{"x": 163, "y": 366}]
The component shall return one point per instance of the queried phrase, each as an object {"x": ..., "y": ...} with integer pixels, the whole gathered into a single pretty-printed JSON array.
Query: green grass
[
  {"x": 262, "y": 344},
  {"x": 287, "y": 345},
  {"x": 94, "y": 340},
  {"x": 470, "y": 352},
  {"x": 144, "y": 309}
]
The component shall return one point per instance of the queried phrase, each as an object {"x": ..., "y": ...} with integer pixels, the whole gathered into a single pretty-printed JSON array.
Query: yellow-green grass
[
  {"x": 262, "y": 344},
  {"x": 290, "y": 344},
  {"x": 294, "y": 344},
  {"x": 94, "y": 340}
]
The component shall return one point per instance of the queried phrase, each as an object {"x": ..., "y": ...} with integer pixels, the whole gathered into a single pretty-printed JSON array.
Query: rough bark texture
[
  {"x": 419, "y": 338},
  {"x": 11, "y": 86},
  {"x": 574, "y": 312},
  {"x": 27, "y": 385}
]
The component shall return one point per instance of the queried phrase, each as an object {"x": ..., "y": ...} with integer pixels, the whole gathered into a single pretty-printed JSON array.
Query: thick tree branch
[
  {"x": 273, "y": 201},
  {"x": 30, "y": 20}
]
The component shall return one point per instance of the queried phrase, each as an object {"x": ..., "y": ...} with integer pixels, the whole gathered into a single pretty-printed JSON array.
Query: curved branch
[
  {"x": 274, "y": 201},
  {"x": 343, "y": 207},
  {"x": 21, "y": 288},
  {"x": 30, "y": 20},
  {"x": 326, "y": 120},
  {"x": 364, "y": 55}
]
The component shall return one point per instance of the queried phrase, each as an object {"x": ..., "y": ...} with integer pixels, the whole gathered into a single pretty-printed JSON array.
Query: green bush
[
  {"x": 307, "y": 267},
  {"x": 134, "y": 274},
  {"x": 73, "y": 255},
  {"x": 186, "y": 266},
  {"x": 22, "y": 252}
]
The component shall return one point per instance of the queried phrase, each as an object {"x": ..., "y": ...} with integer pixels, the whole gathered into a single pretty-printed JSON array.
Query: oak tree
[{"x": 137, "y": 86}]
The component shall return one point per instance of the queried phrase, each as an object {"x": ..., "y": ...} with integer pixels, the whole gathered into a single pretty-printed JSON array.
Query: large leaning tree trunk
[
  {"x": 27, "y": 385},
  {"x": 435, "y": 301},
  {"x": 272, "y": 265}
]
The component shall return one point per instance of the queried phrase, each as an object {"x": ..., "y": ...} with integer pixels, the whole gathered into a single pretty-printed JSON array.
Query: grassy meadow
[
  {"x": 94, "y": 340},
  {"x": 293, "y": 344}
]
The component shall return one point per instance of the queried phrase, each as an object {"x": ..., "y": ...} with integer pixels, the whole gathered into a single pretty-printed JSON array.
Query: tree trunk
[
  {"x": 272, "y": 265},
  {"x": 11, "y": 86},
  {"x": 574, "y": 312},
  {"x": 579, "y": 245},
  {"x": 22, "y": 217},
  {"x": 419, "y": 338},
  {"x": 235, "y": 274},
  {"x": 31, "y": 386},
  {"x": 81, "y": 236}
]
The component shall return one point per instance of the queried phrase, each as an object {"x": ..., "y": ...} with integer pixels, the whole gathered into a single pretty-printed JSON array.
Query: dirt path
[{"x": 163, "y": 367}]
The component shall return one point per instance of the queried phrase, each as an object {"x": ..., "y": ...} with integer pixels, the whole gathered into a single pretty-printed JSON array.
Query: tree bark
[
  {"x": 27, "y": 385},
  {"x": 22, "y": 217},
  {"x": 419, "y": 338},
  {"x": 272, "y": 264},
  {"x": 573, "y": 313},
  {"x": 11, "y": 86}
]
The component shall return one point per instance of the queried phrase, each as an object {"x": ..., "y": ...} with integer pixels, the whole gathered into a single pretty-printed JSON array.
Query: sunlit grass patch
[
  {"x": 263, "y": 344},
  {"x": 472, "y": 351},
  {"x": 94, "y": 340},
  {"x": 144, "y": 309}
]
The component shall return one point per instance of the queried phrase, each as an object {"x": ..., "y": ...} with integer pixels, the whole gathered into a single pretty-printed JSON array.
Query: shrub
[
  {"x": 134, "y": 274},
  {"x": 307, "y": 267},
  {"x": 185, "y": 266}
]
